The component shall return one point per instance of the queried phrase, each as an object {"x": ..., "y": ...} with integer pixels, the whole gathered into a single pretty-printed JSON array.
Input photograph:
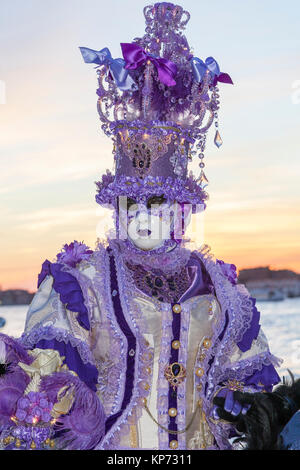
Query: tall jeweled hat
[{"x": 157, "y": 104}]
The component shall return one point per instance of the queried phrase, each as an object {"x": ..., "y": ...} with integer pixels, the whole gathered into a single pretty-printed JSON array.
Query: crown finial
[{"x": 161, "y": 91}]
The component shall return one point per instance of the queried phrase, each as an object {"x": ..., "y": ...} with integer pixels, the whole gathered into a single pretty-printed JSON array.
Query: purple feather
[
  {"x": 12, "y": 386},
  {"x": 84, "y": 425},
  {"x": 13, "y": 380},
  {"x": 15, "y": 352},
  {"x": 73, "y": 253}
]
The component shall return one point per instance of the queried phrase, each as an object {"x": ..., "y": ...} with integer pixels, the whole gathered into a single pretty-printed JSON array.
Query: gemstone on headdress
[
  {"x": 142, "y": 150},
  {"x": 202, "y": 178},
  {"x": 218, "y": 141}
]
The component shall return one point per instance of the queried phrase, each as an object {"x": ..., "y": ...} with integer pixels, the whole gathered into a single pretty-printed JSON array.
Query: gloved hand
[
  {"x": 260, "y": 423},
  {"x": 228, "y": 407}
]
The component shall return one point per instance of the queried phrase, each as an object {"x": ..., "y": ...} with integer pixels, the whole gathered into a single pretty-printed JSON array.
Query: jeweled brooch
[{"x": 175, "y": 374}]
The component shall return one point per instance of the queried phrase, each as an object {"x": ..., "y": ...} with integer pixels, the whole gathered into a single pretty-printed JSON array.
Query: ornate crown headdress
[{"x": 157, "y": 104}]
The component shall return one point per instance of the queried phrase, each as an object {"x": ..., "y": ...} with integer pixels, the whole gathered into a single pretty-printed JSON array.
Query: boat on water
[{"x": 264, "y": 294}]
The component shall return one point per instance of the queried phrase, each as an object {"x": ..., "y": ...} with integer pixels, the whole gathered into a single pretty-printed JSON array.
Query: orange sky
[
  {"x": 247, "y": 237},
  {"x": 52, "y": 148}
]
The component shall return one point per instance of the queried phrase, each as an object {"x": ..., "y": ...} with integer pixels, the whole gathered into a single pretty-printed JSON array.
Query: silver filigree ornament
[{"x": 191, "y": 105}]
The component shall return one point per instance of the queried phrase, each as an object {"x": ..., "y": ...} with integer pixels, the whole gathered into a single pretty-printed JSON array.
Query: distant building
[
  {"x": 267, "y": 284},
  {"x": 15, "y": 297}
]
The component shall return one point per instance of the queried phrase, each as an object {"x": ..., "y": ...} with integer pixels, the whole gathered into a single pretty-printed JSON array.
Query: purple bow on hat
[
  {"x": 135, "y": 56},
  {"x": 199, "y": 69}
]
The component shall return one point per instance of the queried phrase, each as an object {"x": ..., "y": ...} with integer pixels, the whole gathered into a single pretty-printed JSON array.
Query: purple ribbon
[
  {"x": 210, "y": 65},
  {"x": 135, "y": 56},
  {"x": 116, "y": 66}
]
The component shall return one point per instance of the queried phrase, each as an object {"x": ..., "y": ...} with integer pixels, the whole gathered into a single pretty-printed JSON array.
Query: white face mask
[{"x": 148, "y": 226}]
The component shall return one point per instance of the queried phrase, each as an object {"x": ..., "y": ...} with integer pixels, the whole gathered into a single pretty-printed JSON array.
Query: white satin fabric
[{"x": 201, "y": 321}]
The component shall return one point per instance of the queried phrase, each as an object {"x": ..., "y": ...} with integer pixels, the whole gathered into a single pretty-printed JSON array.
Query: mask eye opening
[
  {"x": 156, "y": 200},
  {"x": 130, "y": 202}
]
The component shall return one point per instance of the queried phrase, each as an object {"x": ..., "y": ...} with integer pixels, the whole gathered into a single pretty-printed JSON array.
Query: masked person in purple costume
[{"x": 153, "y": 330}]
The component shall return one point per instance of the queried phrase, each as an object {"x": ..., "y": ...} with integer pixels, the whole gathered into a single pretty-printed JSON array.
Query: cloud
[{"x": 66, "y": 215}]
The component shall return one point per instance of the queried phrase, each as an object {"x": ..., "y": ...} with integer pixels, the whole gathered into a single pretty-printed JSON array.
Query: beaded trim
[
  {"x": 131, "y": 344},
  {"x": 134, "y": 408},
  {"x": 162, "y": 384},
  {"x": 182, "y": 358},
  {"x": 117, "y": 345}
]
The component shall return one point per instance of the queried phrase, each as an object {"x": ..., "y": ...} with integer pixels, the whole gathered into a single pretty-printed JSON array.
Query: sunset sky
[{"x": 52, "y": 148}]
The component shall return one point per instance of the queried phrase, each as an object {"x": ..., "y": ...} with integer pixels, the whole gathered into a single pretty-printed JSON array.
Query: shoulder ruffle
[
  {"x": 68, "y": 288},
  {"x": 252, "y": 332},
  {"x": 229, "y": 270}
]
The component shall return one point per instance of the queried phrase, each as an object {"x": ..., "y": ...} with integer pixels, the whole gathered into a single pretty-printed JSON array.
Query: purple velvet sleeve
[
  {"x": 265, "y": 378},
  {"x": 252, "y": 331},
  {"x": 68, "y": 289},
  {"x": 229, "y": 270},
  {"x": 88, "y": 373}
]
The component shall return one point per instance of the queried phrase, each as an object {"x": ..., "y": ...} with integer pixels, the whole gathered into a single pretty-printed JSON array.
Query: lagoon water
[{"x": 280, "y": 321}]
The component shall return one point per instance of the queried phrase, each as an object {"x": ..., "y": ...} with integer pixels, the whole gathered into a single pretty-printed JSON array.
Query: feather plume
[{"x": 84, "y": 426}]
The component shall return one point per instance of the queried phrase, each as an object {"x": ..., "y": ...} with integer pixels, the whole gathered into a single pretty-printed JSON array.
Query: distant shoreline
[
  {"x": 262, "y": 282},
  {"x": 265, "y": 284},
  {"x": 15, "y": 297}
]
